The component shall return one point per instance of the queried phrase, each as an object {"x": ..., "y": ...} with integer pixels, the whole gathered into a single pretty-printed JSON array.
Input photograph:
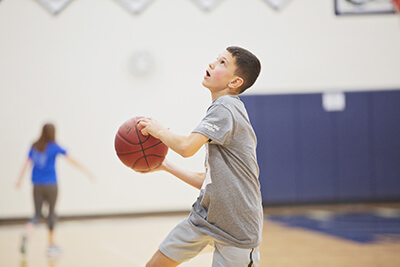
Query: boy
[{"x": 228, "y": 212}]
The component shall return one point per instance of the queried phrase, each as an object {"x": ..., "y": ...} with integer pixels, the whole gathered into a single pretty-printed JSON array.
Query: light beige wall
[{"x": 75, "y": 69}]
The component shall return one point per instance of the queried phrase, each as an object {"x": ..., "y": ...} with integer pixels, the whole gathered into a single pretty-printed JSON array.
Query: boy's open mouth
[{"x": 207, "y": 74}]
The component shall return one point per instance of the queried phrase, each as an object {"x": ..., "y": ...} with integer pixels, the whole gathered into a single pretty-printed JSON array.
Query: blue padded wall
[
  {"x": 354, "y": 143},
  {"x": 317, "y": 158},
  {"x": 278, "y": 139},
  {"x": 309, "y": 155},
  {"x": 386, "y": 133}
]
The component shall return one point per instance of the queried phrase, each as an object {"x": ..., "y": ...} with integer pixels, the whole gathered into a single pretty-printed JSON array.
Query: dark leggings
[{"x": 48, "y": 194}]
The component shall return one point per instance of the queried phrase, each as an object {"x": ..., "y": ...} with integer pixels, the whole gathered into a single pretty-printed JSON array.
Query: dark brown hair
[
  {"x": 247, "y": 66},
  {"x": 48, "y": 135}
]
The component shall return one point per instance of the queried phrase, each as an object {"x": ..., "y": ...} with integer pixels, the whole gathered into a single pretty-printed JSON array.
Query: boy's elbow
[
  {"x": 187, "y": 148},
  {"x": 186, "y": 151}
]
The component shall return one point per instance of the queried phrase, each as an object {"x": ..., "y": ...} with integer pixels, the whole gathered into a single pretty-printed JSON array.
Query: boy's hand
[
  {"x": 162, "y": 167},
  {"x": 150, "y": 126}
]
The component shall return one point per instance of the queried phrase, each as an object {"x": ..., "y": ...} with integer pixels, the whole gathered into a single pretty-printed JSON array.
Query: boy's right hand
[{"x": 150, "y": 126}]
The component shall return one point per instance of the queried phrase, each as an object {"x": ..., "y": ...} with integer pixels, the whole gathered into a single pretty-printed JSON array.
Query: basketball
[{"x": 137, "y": 151}]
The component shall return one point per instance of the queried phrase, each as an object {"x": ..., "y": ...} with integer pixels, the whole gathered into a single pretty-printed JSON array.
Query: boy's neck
[{"x": 227, "y": 91}]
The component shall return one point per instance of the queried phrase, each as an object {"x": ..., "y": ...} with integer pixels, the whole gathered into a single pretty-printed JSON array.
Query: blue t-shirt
[{"x": 44, "y": 172}]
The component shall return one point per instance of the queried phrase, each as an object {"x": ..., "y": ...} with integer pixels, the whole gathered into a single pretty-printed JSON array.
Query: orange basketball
[{"x": 138, "y": 152}]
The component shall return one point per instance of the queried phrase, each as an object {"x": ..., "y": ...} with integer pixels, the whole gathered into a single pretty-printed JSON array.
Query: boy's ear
[{"x": 236, "y": 83}]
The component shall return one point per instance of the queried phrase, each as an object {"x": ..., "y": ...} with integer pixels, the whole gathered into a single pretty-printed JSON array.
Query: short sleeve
[
  {"x": 30, "y": 154},
  {"x": 217, "y": 124},
  {"x": 54, "y": 149},
  {"x": 60, "y": 150}
]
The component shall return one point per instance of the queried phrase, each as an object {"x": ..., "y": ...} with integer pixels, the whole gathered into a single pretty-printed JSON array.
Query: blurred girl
[{"x": 42, "y": 156}]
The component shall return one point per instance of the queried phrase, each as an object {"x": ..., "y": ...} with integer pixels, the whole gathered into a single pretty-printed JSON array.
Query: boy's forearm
[
  {"x": 178, "y": 143},
  {"x": 194, "y": 179},
  {"x": 185, "y": 146}
]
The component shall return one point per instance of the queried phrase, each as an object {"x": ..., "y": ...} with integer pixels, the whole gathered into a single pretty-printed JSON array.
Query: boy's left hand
[{"x": 162, "y": 167}]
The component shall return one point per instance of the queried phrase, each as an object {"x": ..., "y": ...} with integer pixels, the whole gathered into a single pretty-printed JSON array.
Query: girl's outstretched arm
[
  {"x": 27, "y": 164},
  {"x": 79, "y": 166}
]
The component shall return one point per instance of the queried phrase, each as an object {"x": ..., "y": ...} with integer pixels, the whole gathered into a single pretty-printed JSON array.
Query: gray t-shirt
[{"x": 229, "y": 206}]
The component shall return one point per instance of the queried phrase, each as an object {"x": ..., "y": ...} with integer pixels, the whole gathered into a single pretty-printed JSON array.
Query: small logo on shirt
[
  {"x": 211, "y": 127},
  {"x": 39, "y": 158}
]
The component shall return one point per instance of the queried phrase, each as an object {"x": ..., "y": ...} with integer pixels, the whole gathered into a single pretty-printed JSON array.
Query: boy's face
[{"x": 220, "y": 72}]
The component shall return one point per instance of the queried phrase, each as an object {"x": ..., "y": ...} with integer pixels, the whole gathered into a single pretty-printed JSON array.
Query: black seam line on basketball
[
  {"x": 151, "y": 155},
  {"x": 133, "y": 165},
  {"x": 127, "y": 140},
  {"x": 128, "y": 153},
  {"x": 141, "y": 144},
  {"x": 154, "y": 155}
]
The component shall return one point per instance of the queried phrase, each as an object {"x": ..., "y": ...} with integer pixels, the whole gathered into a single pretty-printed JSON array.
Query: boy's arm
[
  {"x": 194, "y": 179},
  {"x": 185, "y": 146}
]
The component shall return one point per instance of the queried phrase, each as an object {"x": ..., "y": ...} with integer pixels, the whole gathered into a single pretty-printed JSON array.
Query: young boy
[{"x": 228, "y": 212}]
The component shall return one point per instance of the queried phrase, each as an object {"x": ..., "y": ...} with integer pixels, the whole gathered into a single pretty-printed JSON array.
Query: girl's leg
[
  {"x": 30, "y": 226},
  {"x": 38, "y": 198},
  {"x": 52, "y": 199},
  {"x": 52, "y": 192}
]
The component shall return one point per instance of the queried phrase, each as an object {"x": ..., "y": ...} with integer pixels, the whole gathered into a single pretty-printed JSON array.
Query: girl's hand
[{"x": 18, "y": 184}]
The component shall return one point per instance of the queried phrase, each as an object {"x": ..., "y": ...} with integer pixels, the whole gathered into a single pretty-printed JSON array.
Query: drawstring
[{"x": 251, "y": 258}]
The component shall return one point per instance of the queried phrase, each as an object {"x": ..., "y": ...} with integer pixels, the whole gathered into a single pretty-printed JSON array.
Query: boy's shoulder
[{"x": 227, "y": 104}]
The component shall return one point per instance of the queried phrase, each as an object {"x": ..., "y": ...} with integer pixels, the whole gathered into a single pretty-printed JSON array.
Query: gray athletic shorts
[{"x": 185, "y": 242}]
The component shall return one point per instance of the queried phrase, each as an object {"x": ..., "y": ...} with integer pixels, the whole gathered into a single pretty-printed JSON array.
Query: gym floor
[{"x": 323, "y": 235}]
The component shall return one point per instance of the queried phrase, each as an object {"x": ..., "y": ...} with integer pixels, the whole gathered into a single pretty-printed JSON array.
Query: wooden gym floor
[{"x": 130, "y": 241}]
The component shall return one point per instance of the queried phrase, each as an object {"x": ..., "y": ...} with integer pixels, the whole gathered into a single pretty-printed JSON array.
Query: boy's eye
[{"x": 222, "y": 62}]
